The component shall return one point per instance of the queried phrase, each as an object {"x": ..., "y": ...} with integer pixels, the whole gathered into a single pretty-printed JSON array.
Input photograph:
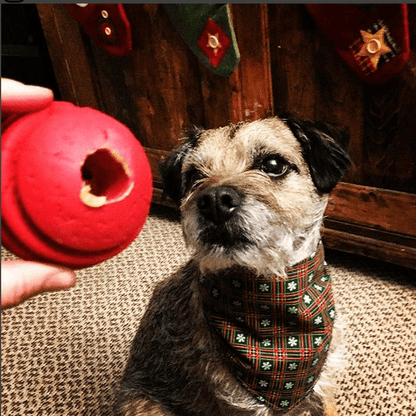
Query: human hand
[
  {"x": 18, "y": 99},
  {"x": 20, "y": 280}
]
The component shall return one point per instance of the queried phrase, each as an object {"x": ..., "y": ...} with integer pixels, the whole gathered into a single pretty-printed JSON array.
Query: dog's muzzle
[
  {"x": 219, "y": 204},
  {"x": 219, "y": 209}
]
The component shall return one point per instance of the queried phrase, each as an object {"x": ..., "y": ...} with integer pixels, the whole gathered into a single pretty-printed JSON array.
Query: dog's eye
[
  {"x": 274, "y": 166},
  {"x": 193, "y": 177}
]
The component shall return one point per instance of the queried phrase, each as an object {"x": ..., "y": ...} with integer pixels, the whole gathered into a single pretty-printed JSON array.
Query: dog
[{"x": 247, "y": 326}]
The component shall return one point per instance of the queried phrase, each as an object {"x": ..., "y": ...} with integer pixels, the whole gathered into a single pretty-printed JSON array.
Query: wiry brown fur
[
  {"x": 175, "y": 365},
  {"x": 289, "y": 211}
]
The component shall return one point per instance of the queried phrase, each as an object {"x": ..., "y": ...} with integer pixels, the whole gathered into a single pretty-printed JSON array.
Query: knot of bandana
[{"x": 274, "y": 332}]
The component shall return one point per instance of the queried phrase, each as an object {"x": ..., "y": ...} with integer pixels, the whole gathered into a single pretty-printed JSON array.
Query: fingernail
[{"x": 63, "y": 279}]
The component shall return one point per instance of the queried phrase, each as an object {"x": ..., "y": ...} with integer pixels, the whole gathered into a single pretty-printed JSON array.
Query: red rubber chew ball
[{"x": 76, "y": 186}]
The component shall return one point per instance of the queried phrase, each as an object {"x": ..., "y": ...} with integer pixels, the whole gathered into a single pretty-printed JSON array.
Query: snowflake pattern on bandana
[{"x": 274, "y": 333}]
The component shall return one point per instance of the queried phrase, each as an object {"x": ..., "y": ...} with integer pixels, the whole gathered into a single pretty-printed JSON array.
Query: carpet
[{"x": 63, "y": 353}]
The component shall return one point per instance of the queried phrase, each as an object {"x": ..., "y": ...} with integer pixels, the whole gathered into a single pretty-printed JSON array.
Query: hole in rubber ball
[{"x": 106, "y": 174}]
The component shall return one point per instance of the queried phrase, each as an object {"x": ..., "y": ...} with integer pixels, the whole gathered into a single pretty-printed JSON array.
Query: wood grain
[
  {"x": 364, "y": 246},
  {"x": 69, "y": 57},
  {"x": 374, "y": 207},
  {"x": 155, "y": 90},
  {"x": 252, "y": 31},
  {"x": 292, "y": 60}
]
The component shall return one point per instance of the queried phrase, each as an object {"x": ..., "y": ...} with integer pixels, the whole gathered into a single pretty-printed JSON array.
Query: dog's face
[{"x": 254, "y": 193}]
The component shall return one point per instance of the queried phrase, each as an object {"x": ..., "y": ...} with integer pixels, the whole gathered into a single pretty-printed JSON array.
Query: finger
[
  {"x": 22, "y": 280},
  {"x": 18, "y": 98}
]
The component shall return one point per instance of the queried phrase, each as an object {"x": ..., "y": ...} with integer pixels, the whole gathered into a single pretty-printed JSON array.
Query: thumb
[
  {"x": 23, "y": 279},
  {"x": 19, "y": 98}
]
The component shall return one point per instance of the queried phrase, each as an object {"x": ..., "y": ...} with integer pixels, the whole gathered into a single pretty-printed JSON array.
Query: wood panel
[
  {"x": 252, "y": 31},
  {"x": 370, "y": 232},
  {"x": 369, "y": 247},
  {"x": 155, "y": 90},
  {"x": 374, "y": 207},
  {"x": 390, "y": 131},
  {"x": 69, "y": 57},
  {"x": 337, "y": 88},
  {"x": 221, "y": 98},
  {"x": 373, "y": 222},
  {"x": 292, "y": 60}
]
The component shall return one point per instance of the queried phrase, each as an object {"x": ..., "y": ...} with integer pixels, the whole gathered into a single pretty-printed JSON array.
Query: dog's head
[{"x": 254, "y": 194}]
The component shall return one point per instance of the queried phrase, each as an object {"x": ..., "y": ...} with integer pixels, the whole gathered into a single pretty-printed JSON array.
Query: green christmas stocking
[{"x": 208, "y": 31}]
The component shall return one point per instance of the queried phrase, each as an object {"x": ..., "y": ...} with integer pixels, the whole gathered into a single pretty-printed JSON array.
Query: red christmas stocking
[
  {"x": 373, "y": 40},
  {"x": 106, "y": 24}
]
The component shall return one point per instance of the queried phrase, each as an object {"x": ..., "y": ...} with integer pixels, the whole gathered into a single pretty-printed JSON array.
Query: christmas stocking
[
  {"x": 106, "y": 24},
  {"x": 373, "y": 40},
  {"x": 208, "y": 31}
]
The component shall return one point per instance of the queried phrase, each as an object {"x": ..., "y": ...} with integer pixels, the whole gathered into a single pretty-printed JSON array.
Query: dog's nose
[{"x": 219, "y": 204}]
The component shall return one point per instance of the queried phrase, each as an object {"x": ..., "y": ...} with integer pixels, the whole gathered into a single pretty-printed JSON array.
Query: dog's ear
[
  {"x": 170, "y": 169},
  {"x": 324, "y": 150}
]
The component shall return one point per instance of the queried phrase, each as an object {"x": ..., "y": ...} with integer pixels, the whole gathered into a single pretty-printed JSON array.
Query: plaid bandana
[{"x": 274, "y": 333}]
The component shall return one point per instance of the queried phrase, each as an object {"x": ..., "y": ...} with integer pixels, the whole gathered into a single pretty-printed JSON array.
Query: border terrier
[{"x": 248, "y": 325}]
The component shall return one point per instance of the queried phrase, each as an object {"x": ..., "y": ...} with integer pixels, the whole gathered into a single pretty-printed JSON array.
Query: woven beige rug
[{"x": 63, "y": 353}]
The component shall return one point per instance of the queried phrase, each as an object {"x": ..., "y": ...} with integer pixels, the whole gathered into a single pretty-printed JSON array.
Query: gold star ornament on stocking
[
  {"x": 374, "y": 46},
  {"x": 372, "y": 39}
]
